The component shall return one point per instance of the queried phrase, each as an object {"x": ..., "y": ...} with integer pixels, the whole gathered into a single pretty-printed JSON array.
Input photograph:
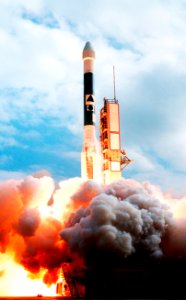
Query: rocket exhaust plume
[
  {"x": 30, "y": 227},
  {"x": 95, "y": 227},
  {"x": 121, "y": 218},
  {"x": 126, "y": 235}
]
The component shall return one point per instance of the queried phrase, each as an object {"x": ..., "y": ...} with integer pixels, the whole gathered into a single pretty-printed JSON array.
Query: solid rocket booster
[{"x": 90, "y": 156}]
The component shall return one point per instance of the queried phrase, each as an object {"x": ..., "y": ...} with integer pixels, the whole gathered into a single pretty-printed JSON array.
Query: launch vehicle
[
  {"x": 102, "y": 160},
  {"x": 91, "y": 155}
]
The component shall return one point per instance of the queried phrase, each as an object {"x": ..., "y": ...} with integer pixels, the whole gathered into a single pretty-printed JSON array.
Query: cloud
[
  {"x": 5, "y": 175},
  {"x": 5, "y": 142}
]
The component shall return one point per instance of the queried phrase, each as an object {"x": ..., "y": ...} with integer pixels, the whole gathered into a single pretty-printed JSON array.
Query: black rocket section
[
  {"x": 89, "y": 105},
  {"x": 88, "y": 83}
]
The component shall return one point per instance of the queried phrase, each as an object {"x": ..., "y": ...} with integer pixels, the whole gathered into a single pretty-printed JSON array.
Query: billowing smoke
[
  {"x": 44, "y": 224},
  {"x": 121, "y": 218},
  {"x": 28, "y": 222},
  {"x": 130, "y": 239},
  {"x": 33, "y": 238}
]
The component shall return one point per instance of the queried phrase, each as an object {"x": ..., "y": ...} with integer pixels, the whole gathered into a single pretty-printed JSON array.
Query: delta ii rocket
[
  {"x": 91, "y": 155},
  {"x": 101, "y": 161}
]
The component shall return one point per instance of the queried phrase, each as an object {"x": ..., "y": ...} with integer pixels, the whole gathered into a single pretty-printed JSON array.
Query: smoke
[
  {"x": 44, "y": 223},
  {"x": 129, "y": 236},
  {"x": 28, "y": 222},
  {"x": 121, "y": 218},
  {"x": 28, "y": 228}
]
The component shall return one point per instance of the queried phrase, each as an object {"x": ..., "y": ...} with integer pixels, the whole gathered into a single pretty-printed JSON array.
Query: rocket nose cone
[
  {"x": 88, "y": 46},
  {"x": 88, "y": 50}
]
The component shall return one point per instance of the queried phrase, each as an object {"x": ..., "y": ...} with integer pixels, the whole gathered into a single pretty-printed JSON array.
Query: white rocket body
[{"x": 91, "y": 153}]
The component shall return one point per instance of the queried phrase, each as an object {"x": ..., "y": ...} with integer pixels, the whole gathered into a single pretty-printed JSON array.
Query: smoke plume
[
  {"x": 120, "y": 218},
  {"x": 31, "y": 237},
  {"x": 44, "y": 224}
]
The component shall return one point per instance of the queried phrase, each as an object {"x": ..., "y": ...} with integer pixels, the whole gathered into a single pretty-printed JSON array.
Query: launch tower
[{"x": 114, "y": 158}]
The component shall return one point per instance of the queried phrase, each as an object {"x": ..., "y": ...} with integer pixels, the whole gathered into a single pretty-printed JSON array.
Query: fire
[
  {"x": 32, "y": 213},
  {"x": 15, "y": 281},
  {"x": 42, "y": 222},
  {"x": 62, "y": 205}
]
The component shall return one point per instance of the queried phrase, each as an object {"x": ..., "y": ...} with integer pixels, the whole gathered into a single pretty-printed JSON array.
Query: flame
[
  {"x": 17, "y": 282},
  {"x": 16, "y": 198},
  {"x": 61, "y": 206},
  {"x": 33, "y": 211}
]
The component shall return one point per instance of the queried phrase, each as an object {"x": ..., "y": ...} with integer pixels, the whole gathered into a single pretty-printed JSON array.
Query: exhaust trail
[{"x": 96, "y": 228}]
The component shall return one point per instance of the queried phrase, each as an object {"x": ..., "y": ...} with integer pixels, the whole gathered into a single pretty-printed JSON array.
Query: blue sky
[{"x": 41, "y": 84}]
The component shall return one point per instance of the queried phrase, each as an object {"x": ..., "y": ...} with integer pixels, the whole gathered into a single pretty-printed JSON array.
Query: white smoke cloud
[{"x": 123, "y": 218}]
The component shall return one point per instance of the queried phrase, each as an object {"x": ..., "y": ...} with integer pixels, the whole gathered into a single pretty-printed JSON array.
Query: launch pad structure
[
  {"x": 71, "y": 282},
  {"x": 114, "y": 159}
]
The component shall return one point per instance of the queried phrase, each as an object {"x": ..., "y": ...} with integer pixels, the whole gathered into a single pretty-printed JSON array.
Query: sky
[{"x": 41, "y": 85}]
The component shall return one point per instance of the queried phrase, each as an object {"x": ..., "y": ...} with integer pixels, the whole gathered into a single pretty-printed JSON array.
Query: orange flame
[
  {"x": 15, "y": 198},
  {"x": 17, "y": 282},
  {"x": 32, "y": 214}
]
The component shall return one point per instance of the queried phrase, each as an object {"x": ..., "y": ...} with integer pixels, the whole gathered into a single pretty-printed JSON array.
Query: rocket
[
  {"x": 89, "y": 103},
  {"x": 90, "y": 156}
]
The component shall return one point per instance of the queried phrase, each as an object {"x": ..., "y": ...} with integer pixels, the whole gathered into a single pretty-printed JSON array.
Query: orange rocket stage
[{"x": 101, "y": 161}]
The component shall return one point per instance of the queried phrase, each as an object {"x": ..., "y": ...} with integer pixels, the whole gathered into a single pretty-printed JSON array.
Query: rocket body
[
  {"x": 90, "y": 156},
  {"x": 89, "y": 104}
]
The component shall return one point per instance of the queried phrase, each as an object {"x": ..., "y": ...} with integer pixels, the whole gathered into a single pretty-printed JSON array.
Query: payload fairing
[{"x": 101, "y": 161}]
